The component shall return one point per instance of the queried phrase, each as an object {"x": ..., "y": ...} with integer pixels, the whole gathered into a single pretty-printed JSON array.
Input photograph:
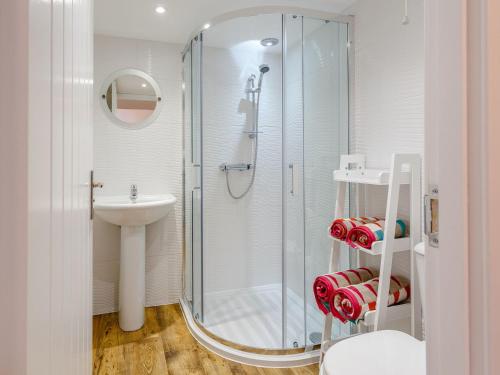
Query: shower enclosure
[{"x": 250, "y": 259}]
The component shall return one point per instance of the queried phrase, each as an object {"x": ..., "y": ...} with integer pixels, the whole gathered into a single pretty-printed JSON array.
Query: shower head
[{"x": 264, "y": 68}]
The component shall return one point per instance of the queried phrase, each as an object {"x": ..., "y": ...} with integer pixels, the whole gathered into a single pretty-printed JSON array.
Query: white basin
[
  {"x": 120, "y": 210},
  {"x": 133, "y": 218}
]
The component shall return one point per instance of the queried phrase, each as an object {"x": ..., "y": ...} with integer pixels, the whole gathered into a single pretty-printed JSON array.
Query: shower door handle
[
  {"x": 294, "y": 186},
  {"x": 196, "y": 176}
]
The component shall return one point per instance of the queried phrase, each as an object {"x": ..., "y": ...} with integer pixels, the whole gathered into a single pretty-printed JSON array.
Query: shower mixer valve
[{"x": 235, "y": 167}]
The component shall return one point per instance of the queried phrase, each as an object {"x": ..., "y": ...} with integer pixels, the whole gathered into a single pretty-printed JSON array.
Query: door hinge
[{"x": 431, "y": 216}]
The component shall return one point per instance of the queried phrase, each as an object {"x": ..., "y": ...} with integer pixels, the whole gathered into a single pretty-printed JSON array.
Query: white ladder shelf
[{"x": 405, "y": 170}]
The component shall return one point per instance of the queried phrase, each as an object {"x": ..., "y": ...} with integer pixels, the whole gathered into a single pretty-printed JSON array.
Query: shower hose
[{"x": 255, "y": 153}]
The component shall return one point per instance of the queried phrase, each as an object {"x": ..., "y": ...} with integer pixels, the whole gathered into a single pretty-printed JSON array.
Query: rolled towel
[
  {"x": 365, "y": 235},
  {"x": 351, "y": 303},
  {"x": 340, "y": 227},
  {"x": 325, "y": 285}
]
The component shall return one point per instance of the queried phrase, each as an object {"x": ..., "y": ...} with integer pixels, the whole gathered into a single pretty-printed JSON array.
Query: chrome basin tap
[{"x": 133, "y": 192}]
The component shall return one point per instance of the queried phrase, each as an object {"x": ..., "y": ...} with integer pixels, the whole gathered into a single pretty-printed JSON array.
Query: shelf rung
[
  {"x": 396, "y": 312},
  {"x": 400, "y": 244},
  {"x": 369, "y": 176}
]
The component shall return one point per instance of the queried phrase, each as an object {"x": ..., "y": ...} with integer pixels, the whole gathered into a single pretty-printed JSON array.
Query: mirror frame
[{"x": 138, "y": 73}]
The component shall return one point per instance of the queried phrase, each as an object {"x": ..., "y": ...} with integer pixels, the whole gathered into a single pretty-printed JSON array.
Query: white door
[
  {"x": 462, "y": 153},
  {"x": 445, "y": 153},
  {"x": 59, "y": 313}
]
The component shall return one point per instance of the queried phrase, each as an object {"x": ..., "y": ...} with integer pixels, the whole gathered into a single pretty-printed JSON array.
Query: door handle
[{"x": 93, "y": 185}]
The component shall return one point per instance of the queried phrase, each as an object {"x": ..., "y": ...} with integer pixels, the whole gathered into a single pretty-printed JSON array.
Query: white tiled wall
[
  {"x": 389, "y": 80},
  {"x": 388, "y": 92},
  {"x": 149, "y": 157},
  {"x": 242, "y": 238}
]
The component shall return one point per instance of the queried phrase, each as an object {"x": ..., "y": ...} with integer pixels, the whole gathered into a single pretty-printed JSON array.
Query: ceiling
[
  {"x": 247, "y": 30},
  {"x": 138, "y": 19}
]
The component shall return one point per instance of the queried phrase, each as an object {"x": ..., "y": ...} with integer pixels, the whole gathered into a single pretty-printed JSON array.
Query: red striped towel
[
  {"x": 353, "y": 301},
  {"x": 325, "y": 285},
  {"x": 340, "y": 227},
  {"x": 365, "y": 235}
]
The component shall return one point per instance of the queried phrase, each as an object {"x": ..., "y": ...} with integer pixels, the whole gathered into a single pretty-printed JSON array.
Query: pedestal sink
[{"x": 133, "y": 218}]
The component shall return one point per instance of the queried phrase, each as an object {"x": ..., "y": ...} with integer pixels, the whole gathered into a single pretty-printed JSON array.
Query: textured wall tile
[
  {"x": 149, "y": 157},
  {"x": 389, "y": 80},
  {"x": 389, "y": 92},
  {"x": 242, "y": 238}
]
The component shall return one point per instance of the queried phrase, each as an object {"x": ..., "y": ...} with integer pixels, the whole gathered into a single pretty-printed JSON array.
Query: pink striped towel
[
  {"x": 340, "y": 227},
  {"x": 365, "y": 235},
  {"x": 325, "y": 285},
  {"x": 351, "y": 303}
]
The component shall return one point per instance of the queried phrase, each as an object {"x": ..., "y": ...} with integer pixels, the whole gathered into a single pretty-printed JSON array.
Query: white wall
[
  {"x": 388, "y": 87},
  {"x": 389, "y": 80},
  {"x": 151, "y": 158},
  {"x": 388, "y": 96},
  {"x": 242, "y": 238}
]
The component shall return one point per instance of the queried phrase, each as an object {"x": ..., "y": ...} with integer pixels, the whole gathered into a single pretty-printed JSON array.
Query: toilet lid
[{"x": 376, "y": 353}]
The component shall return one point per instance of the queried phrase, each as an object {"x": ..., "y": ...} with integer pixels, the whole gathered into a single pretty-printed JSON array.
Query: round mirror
[{"x": 131, "y": 98}]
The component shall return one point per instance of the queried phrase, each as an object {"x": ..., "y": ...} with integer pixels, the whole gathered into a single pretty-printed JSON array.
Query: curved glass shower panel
[
  {"x": 268, "y": 121},
  {"x": 242, "y": 140}
]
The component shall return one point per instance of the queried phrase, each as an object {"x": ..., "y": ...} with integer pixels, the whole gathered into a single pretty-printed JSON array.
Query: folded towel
[
  {"x": 353, "y": 301},
  {"x": 340, "y": 227},
  {"x": 365, "y": 235},
  {"x": 325, "y": 285}
]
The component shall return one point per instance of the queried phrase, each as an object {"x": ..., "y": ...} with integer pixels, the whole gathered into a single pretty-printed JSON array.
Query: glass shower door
[
  {"x": 293, "y": 166},
  {"x": 315, "y": 135},
  {"x": 326, "y": 109}
]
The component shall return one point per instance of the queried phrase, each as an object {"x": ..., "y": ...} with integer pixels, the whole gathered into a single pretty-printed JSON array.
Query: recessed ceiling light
[
  {"x": 143, "y": 85},
  {"x": 160, "y": 9},
  {"x": 206, "y": 26},
  {"x": 269, "y": 42}
]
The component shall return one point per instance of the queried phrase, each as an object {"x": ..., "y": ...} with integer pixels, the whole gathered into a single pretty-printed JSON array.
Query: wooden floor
[{"x": 163, "y": 346}]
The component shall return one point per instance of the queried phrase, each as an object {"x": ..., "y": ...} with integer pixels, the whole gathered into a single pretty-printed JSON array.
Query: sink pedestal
[
  {"x": 132, "y": 294},
  {"x": 133, "y": 216}
]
